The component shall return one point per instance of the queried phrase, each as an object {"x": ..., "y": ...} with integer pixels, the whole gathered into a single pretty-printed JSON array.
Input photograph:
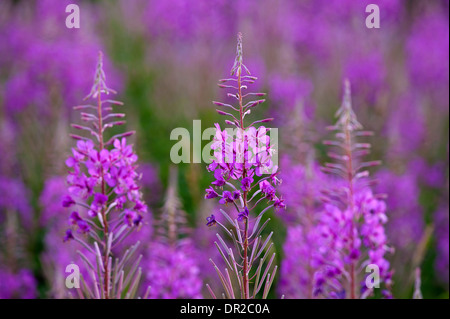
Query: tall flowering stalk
[
  {"x": 172, "y": 267},
  {"x": 242, "y": 155},
  {"x": 352, "y": 224},
  {"x": 107, "y": 202}
]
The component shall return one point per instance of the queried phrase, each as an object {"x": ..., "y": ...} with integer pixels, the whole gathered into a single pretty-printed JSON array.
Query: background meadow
[{"x": 164, "y": 58}]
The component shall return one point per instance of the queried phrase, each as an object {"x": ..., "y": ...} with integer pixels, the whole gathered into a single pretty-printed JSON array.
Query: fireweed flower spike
[
  {"x": 240, "y": 162},
  {"x": 172, "y": 266},
  {"x": 104, "y": 197},
  {"x": 352, "y": 224}
]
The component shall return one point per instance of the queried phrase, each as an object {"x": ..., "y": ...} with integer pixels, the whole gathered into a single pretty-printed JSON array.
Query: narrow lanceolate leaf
[
  {"x": 255, "y": 227},
  {"x": 222, "y": 279},
  {"x": 235, "y": 265},
  {"x": 265, "y": 273},
  {"x": 95, "y": 284},
  {"x": 262, "y": 228},
  {"x": 266, "y": 290},
  {"x": 109, "y": 243},
  {"x": 118, "y": 233},
  {"x": 258, "y": 275},
  {"x": 264, "y": 244},
  {"x": 211, "y": 292},
  {"x": 128, "y": 255},
  {"x": 114, "y": 277},
  {"x": 86, "y": 260},
  {"x": 267, "y": 252},
  {"x": 269, "y": 285},
  {"x": 230, "y": 284},
  {"x": 147, "y": 292},
  {"x": 255, "y": 247},
  {"x": 238, "y": 231},
  {"x": 225, "y": 229},
  {"x": 99, "y": 257},
  {"x": 135, "y": 284},
  {"x": 120, "y": 285},
  {"x": 132, "y": 271},
  {"x": 80, "y": 294},
  {"x": 108, "y": 275},
  {"x": 227, "y": 217},
  {"x": 258, "y": 271},
  {"x": 222, "y": 254},
  {"x": 86, "y": 288},
  {"x": 236, "y": 245},
  {"x": 225, "y": 246}
]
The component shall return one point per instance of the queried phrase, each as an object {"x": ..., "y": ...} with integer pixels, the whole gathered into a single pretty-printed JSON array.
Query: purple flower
[
  {"x": 173, "y": 271},
  {"x": 247, "y": 183},
  {"x": 18, "y": 284},
  {"x": 103, "y": 173},
  {"x": 267, "y": 189},
  {"x": 74, "y": 218},
  {"x": 239, "y": 158},
  {"x": 220, "y": 180},
  {"x": 353, "y": 218},
  {"x": 211, "y": 221},
  {"x": 229, "y": 197},
  {"x": 68, "y": 236},
  {"x": 279, "y": 203},
  {"x": 67, "y": 201},
  {"x": 100, "y": 199},
  {"x": 211, "y": 193},
  {"x": 132, "y": 218},
  {"x": 243, "y": 215},
  {"x": 140, "y": 206},
  {"x": 83, "y": 226}
]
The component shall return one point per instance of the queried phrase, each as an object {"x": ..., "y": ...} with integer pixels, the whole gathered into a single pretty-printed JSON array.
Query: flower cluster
[
  {"x": 299, "y": 264},
  {"x": 348, "y": 244},
  {"x": 116, "y": 168},
  {"x": 102, "y": 186},
  {"x": 351, "y": 226},
  {"x": 17, "y": 285},
  {"x": 172, "y": 266},
  {"x": 242, "y": 156},
  {"x": 173, "y": 271},
  {"x": 302, "y": 187}
]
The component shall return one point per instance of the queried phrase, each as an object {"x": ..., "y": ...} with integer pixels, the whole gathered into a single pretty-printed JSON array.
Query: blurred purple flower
[
  {"x": 172, "y": 271},
  {"x": 20, "y": 285},
  {"x": 427, "y": 52}
]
